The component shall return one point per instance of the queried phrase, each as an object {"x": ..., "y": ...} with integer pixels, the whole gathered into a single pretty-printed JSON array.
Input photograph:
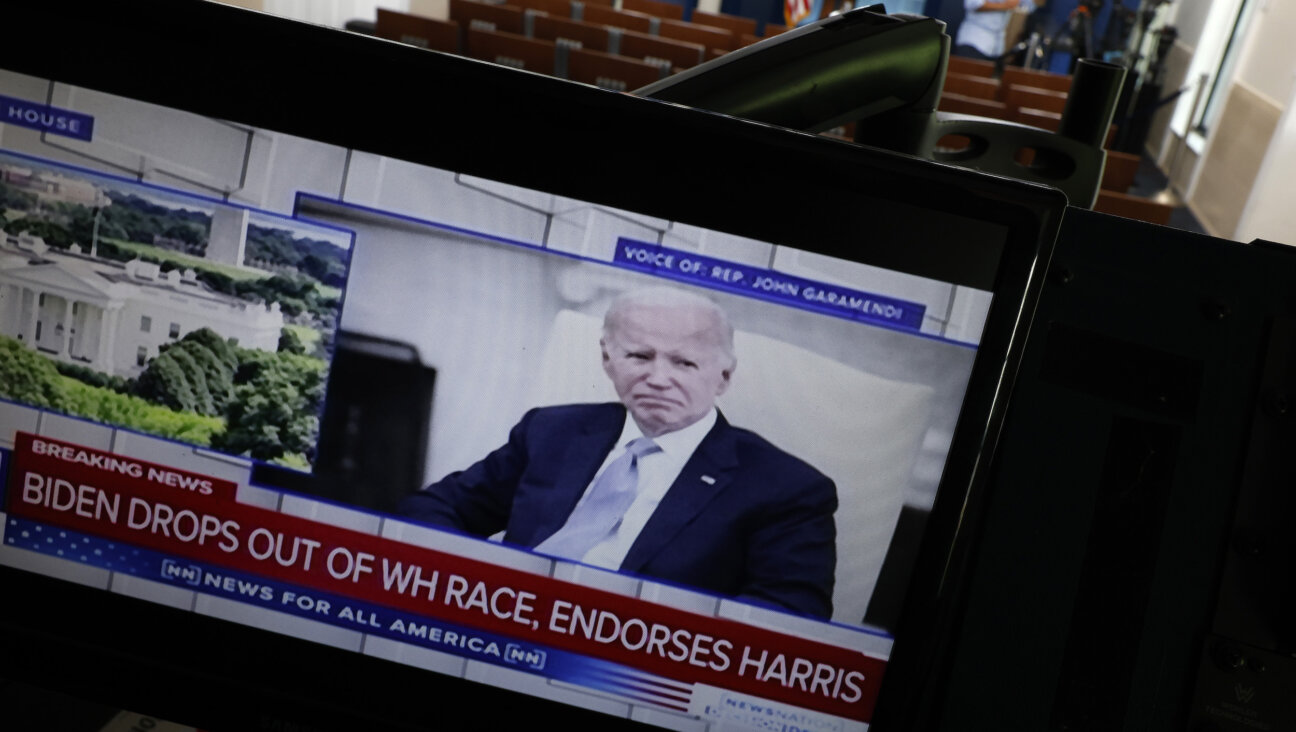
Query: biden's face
[{"x": 667, "y": 364}]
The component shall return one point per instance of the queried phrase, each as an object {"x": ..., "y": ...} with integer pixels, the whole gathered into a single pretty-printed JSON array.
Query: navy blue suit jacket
[{"x": 744, "y": 519}]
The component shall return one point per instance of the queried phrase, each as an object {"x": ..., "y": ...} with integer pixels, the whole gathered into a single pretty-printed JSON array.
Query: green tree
[
  {"x": 186, "y": 232},
  {"x": 109, "y": 229},
  {"x": 195, "y": 373},
  {"x": 16, "y": 199},
  {"x": 220, "y": 347},
  {"x": 165, "y": 382},
  {"x": 109, "y": 250},
  {"x": 315, "y": 266},
  {"x": 290, "y": 343},
  {"x": 275, "y": 407},
  {"x": 28, "y": 377},
  {"x": 195, "y": 377},
  {"x": 80, "y": 225},
  {"x": 217, "y": 376},
  {"x": 219, "y": 281},
  {"x": 54, "y": 234}
]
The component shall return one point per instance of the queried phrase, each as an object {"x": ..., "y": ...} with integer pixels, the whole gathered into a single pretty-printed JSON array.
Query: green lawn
[{"x": 186, "y": 260}]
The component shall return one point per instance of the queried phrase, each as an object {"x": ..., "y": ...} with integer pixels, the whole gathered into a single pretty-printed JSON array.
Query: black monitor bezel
[{"x": 360, "y": 92}]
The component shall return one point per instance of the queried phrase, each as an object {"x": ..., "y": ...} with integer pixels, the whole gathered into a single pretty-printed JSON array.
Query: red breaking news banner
[{"x": 196, "y": 517}]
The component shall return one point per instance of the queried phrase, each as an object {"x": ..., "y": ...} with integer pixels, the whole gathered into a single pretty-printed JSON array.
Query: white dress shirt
[
  {"x": 657, "y": 472},
  {"x": 984, "y": 29}
]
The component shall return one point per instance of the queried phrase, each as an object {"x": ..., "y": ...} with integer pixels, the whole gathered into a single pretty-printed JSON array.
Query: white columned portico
[
  {"x": 65, "y": 348},
  {"x": 108, "y": 318},
  {"x": 33, "y": 315},
  {"x": 11, "y": 310}
]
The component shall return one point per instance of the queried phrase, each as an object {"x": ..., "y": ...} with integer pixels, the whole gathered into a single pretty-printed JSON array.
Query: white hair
[{"x": 670, "y": 297}]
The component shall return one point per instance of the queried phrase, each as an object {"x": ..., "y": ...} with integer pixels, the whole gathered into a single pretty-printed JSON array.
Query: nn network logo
[
  {"x": 520, "y": 656},
  {"x": 188, "y": 573},
  {"x": 45, "y": 118}
]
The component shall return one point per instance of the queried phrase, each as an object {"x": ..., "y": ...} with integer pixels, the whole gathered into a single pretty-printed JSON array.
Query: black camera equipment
[{"x": 886, "y": 75}]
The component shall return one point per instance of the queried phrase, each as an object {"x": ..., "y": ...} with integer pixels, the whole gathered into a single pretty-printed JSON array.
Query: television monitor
[{"x": 480, "y": 223}]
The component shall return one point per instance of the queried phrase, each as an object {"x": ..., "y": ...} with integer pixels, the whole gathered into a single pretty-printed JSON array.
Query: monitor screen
[{"x": 662, "y": 446}]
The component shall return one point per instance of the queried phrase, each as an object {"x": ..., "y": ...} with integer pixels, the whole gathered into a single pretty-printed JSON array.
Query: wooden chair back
[
  {"x": 556, "y": 8},
  {"x": 732, "y": 23},
  {"x": 975, "y": 67},
  {"x": 658, "y": 8},
  {"x": 604, "y": 15},
  {"x": 960, "y": 104},
  {"x": 971, "y": 86},
  {"x": 1118, "y": 175},
  {"x": 416, "y": 30},
  {"x": 1040, "y": 118},
  {"x": 589, "y": 35},
  {"x": 1050, "y": 121},
  {"x": 510, "y": 49},
  {"x": 712, "y": 38},
  {"x": 504, "y": 17},
  {"x": 1037, "y": 79},
  {"x": 680, "y": 54},
  {"x": 1133, "y": 207},
  {"x": 605, "y": 70},
  {"x": 1016, "y": 95}
]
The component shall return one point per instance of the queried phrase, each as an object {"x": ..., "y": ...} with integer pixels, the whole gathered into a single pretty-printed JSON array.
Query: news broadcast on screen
[{"x": 661, "y": 464}]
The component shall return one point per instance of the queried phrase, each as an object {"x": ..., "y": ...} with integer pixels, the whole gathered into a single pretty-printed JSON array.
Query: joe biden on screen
[{"x": 657, "y": 484}]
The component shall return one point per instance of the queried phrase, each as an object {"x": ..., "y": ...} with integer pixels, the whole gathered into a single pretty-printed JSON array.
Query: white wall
[
  {"x": 1205, "y": 27},
  {"x": 1268, "y": 66},
  {"x": 1269, "y": 213},
  {"x": 1189, "y": 18},
  {"x": 1268, "y": 57},
  {"x": 1225, "y": 190}
]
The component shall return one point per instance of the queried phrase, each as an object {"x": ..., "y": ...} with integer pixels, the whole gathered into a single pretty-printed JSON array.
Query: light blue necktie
[{"x": 603, "y": 508}]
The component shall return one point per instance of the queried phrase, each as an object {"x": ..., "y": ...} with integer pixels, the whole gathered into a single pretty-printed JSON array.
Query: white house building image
[{"x": 113, "y": 316}]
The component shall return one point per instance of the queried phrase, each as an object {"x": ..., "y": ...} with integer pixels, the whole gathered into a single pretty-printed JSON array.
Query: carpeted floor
[{"x": 1149, "y": 181}]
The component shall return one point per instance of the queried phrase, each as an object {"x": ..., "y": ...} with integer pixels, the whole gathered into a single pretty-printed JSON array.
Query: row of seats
[
  {"x": 744, "y": 30},
  {"x": 583, "y": 41},
  {"x": 646, "y": 40},
  {"x": 1038, "y": 98}
]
